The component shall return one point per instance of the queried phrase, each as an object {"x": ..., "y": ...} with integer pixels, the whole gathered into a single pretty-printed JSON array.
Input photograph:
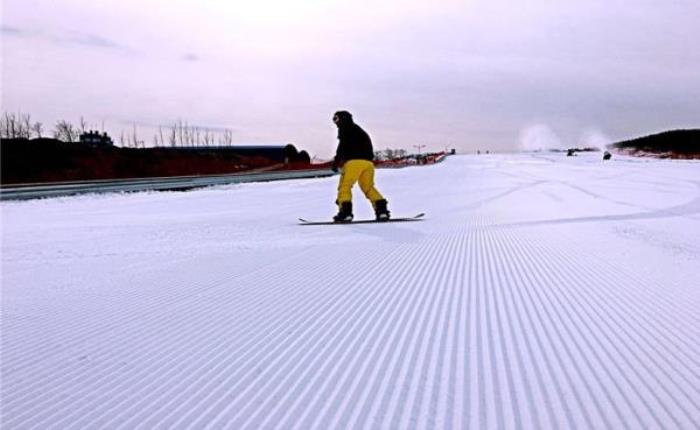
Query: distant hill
[{"x": 671, "y": 144}]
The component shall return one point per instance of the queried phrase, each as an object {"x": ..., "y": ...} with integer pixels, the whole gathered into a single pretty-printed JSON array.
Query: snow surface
[{"x": 540, "y": 292}]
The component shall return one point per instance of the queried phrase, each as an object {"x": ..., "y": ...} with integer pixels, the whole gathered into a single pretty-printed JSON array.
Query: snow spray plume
[
  {"x": 594, "y": 138},
  {"x": 539, "y": 138}
]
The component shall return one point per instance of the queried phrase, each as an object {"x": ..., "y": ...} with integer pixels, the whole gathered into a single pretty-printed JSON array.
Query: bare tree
[
  {"x": 135, "y": 138},
  {"x": 38, "y": 129},
  {"x": 14, "y": 122},
  {"x": 160, "y": 133},
  {"x": 65, "y": 131},
  {"x": 208, "y": 138},
  {"x": 7, "y": 126},
  {"x": 13, "y": 125},
  {"x": 25, "y": 126},
  {"x": 172, "y": 136},
  {"x": 83, "y": 124},
  {"x": 189, "y": 133},
  {"x": 181, "y": 133},
  {"x": 227, "y": 139},
  {"x": 4, "y": 126}
]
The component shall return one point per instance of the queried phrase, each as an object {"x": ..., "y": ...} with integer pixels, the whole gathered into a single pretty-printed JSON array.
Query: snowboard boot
[
  {"x": 344, "y": 213},
  {"x": 381, "y": 211}
]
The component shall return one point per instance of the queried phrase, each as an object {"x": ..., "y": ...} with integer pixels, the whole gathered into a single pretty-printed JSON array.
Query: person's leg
[
  {"x": 366, "y": 180},
  {"x": 350, "y": 174},
  {"x": 373, "y": 195}
]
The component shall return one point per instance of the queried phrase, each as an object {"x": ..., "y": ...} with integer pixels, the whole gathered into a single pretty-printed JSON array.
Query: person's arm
[{"x": 340, "y": 152}]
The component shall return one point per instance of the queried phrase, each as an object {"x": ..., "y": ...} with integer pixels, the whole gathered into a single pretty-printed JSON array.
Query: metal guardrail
[{"x": 33, "y": 191}]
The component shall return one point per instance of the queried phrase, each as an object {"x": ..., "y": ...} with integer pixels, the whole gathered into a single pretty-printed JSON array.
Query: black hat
[{"x": 342, "y": 117}]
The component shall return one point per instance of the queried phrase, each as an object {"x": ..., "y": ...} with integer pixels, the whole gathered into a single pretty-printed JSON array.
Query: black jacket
[{"x": 354, "y": 144}]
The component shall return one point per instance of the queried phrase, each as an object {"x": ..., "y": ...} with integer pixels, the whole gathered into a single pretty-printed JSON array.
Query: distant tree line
[
  {"x": 390, "y": 154},
  {"x": 180, "y": 134},
  {"x": 19, "y": 126},
  {"x": 673, "y": 142}
]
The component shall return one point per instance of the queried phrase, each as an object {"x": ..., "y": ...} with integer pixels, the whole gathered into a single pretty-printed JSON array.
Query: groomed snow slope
[{"x": 540, "y": 292}]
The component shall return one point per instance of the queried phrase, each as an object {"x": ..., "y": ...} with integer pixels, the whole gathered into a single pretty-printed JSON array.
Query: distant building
[{"x": 96, "y": 138}]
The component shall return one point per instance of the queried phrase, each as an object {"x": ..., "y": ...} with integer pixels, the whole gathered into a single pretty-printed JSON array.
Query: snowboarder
[{"x": 354, "y": 158}]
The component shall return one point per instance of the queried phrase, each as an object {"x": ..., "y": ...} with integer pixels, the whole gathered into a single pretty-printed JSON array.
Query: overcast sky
[{"x": 489, "y": 74}]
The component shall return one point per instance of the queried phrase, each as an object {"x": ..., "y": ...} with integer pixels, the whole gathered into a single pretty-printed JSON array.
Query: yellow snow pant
[{"x": 361, "y": 171}]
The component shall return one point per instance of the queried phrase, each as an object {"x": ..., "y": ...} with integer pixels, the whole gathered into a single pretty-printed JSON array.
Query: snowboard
[{"x": 418, "y": 217}]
